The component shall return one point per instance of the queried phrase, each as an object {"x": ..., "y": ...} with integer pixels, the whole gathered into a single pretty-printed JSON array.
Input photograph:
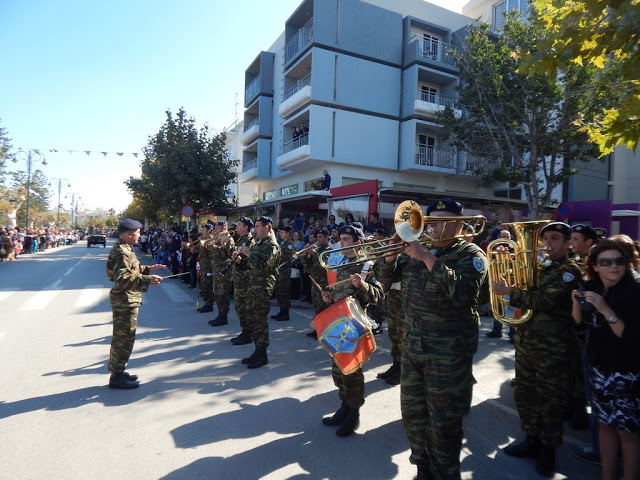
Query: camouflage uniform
[
  {"x": 543, "y": 350},
  {"x": 319, "y": 274},
  {"x": 395, "y": 325},
  {"x": 283, "y": 281},
  {"x": 351, "y": 387},
  {"x": 130, "y": 280},
  {"x": 440, "y": 337},
  {"x": 221, "y": 283},
  {"x": 240, "y": 277},
  {"x": 206, "y": 270},
  {"x": 263, "y": 262}
]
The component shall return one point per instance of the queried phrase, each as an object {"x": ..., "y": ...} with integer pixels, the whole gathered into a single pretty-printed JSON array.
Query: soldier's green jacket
[
  {"x": 264, "y": 260},
  {"x": 129, "y": 278},
  {"x": 550, "y": 299},
  {"x": 317, "y": 272},
  {"x": 368, "y": 294},
  {"x": 287, "y": 248},
  {"x": 221, "y": 253},
  {"x": 449, "y": 293},
  {"x": 241, "y": 270},
  {"x": 206, "y": 254}
]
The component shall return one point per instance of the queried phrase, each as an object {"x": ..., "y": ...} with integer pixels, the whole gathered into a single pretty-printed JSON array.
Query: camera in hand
[{"x": 586, "y": 306}]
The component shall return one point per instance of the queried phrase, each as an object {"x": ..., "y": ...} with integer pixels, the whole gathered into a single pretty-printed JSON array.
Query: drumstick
[
  {"x": 177, "y": 275},
  {"x": 337, "y": 283}
]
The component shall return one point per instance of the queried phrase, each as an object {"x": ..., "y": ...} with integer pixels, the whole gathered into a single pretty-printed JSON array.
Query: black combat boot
[
  {"x": 206, "y": 308},
  {"x": 260, "y": 360},
  {"x": 243, "y": 339},
  {"x": 423, "y": 474},
  {"x": 390, "y": 371},
  {"x": 283, "y": 316},
  {"x": 338, "y": 417},
  {"x": 250, "y": 358},
  {"x": 546, "y": 461},
  {"x": 529, "y": 447},
  {"x": 394, "y": 378},
  {"x": 313, "y": 334},
  {"x": 130, "y": 376},
  {"x": 277, "y": 315},
  {"x": 119, "y": 380},
  {"x": 220, "y": 320},
  {"x": 350, "y": 423}
]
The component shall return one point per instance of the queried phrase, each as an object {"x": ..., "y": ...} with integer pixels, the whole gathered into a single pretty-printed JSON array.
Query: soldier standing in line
[
  {"x": 543, "y": 350},
  {"x": 318, "y": 273},
  {"x": 129, "y": 281},
  {"x": 350, "y": 387},
  {"x": 221, "y": 249},
  {"x": 441, "y": 287},
  {"x": 264, "y": 259},
  {"x": 206, "y": 266},
  {"x": 283, "y": 282},
  {"x": 240, "y": 277}
]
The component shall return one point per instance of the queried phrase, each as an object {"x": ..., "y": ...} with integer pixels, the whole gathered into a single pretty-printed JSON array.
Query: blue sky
[{"x": 92, "y": 75}]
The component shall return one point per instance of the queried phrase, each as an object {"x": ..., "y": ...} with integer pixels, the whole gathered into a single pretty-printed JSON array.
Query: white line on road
[
  {"x": 72, "y": 267},
  {"x": 91, "y": 295},
  {"x": 2, "y": 334},
  {"x": 40, "y": 300},
  {"x": 6, "y": 294}
]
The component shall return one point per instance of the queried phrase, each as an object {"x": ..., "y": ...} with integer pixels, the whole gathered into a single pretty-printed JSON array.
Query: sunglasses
[{"x": 607, "y": 262}]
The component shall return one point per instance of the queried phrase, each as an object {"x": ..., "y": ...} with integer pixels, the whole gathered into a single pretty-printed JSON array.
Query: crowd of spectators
[{"x": 17, "y": 241}]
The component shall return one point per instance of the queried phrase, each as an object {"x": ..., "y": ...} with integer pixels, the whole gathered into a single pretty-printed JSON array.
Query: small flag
[{"x": 33, "y": 192}]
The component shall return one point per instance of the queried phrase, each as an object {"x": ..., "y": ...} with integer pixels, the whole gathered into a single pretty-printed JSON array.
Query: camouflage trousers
[
  {"x": 283, "y": 287},
  {"x": 576, "y": 380},
  {"x": 316, "y": 299},
  {"x": 221, "y": 291},
  {"x": 542, "y": 376},
  {"x": 395, "y": 325},
  {"x": 240, "y": 298},
  {"x": 350, "y": 387},
  {"x": 206, "y": 285},
  {"x": 258, "y": 306},
  {"x": 125, "y": 322},
  {"x": 435, "y": 394}
]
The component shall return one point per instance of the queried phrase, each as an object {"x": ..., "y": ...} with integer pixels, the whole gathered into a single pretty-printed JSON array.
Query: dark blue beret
[
  {"x": 208, "y": 225},
  {"x": 355, "y": 232},
  {"x": 130, "y": 224},
  {"x": 264, "y": 220},
  {"x": 585, "y": 230},
  {"x": 247, "y": 221},
  {"x": 287, "y": 228},
  {"x": 221, "y": 222},
  {"x": 601, "y": 232},
  {"x": 323, "y": 231},
  {"x": 446, "y": 205},
  {"x": 561, "y": 227}
]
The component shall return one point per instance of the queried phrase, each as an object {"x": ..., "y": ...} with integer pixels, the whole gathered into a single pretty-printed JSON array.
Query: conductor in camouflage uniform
[
  {"x": 264, "y": 259},
  {"x": 206, "y": 267},
  {"x": 440, "y": 289},
  {"x": 283, "y": 281},
  {"x": 543, "y": 350},
  {"x": 350, "y": 282},
  {"x": 221, "y": 250},
  {"x": 129, "y": 281},
  {"x": 240, "y": 277},
  {"x": 317, "y": 273}
]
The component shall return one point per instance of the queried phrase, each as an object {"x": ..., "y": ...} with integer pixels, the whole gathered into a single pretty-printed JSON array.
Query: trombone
[
  {"x": 410, "y": 227},
  {"x": 305, "y": 250}
]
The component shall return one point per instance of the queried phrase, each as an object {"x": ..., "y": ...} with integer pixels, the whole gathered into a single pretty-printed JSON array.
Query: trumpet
[
  {"x": 410, "y": 227},
  {"x": 233, "y": 258},
  {"x": 304, "y": 250}
]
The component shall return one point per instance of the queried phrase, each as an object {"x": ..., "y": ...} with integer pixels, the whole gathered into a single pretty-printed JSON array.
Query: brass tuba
[{"x": 518, "y": 267}]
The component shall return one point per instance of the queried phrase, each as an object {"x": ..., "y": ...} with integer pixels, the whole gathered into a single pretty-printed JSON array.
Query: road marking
[
  {"x": 40, "y": 300},
  {"x": 175, "y": 293},
  {"x": 4, "y": 294},
  {"x": 72, "y": 267},
  {"x": 91, "y": 295},
  {"x": 2, "y": 334}
]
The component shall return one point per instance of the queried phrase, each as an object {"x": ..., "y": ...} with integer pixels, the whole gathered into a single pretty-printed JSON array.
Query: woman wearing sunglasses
[{"x": 610, "y": 307}]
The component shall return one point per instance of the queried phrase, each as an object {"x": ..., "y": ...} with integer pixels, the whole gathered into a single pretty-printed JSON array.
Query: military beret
[
  {"x": 208, "y": 225},
  {"x": 601, "y": 232},
  {"x": 265, "y": 220},
  {"x": 221, "y": 222},
  {"x": 561, "y": 227},
  {"x": 446, "y": 205},
  {"x": 379, "y": 231},
  {"x": 247, "y": 221},
  {"x": 585, "y": 230},
  {"x": 355, "y": 232},
  {"x": 130, "y": 224},
  {"x": 323, "y": 231},
  {"x": 287, "y": 228}
]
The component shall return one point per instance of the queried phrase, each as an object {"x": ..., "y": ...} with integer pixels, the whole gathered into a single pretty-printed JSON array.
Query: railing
[
  {"x": 429, "y": 156},
  {"x": 479, "y": 164},
  {"x": 296, "y": 143},
  {"x": 300, "y": 84},
  {"x": 435, "y": 50},
  {"x": 435, "y": 98},
  {"x": 249, "y": 165},
  {"x": 253, "y": 123},
  {"x": 299, "y": 41},
  {"x": 253, "y": 87}
]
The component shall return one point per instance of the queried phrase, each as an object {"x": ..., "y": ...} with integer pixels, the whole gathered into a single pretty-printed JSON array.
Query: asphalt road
[{"x": 199, "y": 413}]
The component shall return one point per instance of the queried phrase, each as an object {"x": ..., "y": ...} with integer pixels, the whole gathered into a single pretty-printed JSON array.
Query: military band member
[
  {"x": 283, "y": 281},
  {"x": 129, "y": 282},
  {"x": 318, "y": 273},
  {"x": 222, "y": 249},
  {"x": 583, "y": 237},
  {"x": 440, "y": 289},
  {"x": 264, "y": 259},
  {"x": 206, "y": 268},
  {"x": 240, "y": 277},
  {"x": 543, "y": 350},
  {"x": 350, "y": 387}
]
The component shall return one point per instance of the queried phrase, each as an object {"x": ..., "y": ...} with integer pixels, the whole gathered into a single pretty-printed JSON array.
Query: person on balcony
[
  {"x": 296, "y": 134},
  {"x": 326, "y": 182}
]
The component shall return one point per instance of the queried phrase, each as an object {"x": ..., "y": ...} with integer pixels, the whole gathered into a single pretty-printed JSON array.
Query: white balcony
[
  {"x": 252, "y": 89},
  {"x": 251, "y": 132},
  {"x": 299, "y": 41},
  {"x": 435, "y": 158},
  {"x": 430, "y": 104},
  {"x": 437, "y": 51},
  {"x": 294, "y": 153},
  {"x": 299, "y": 99},
  {"x": 249, "y": 171}
]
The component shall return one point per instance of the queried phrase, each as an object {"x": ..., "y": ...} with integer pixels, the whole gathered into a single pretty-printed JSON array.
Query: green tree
[
  {"x": 37, "y": 206},
  {"x": 597, "y": 33},
  {"x": 520, "y": 128},
  {"x": 183, "y": 165},
  {"x": 112, "y": 222},
  {"x": 7, "y": 197}
]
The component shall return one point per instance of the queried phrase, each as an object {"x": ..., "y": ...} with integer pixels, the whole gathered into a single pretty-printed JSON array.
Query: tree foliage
[
  {"x": 183, "y": 165},
  {"x": 597, "y": 33},
  {"x": 37, "y": 206},
  {"x": 520, "y": 128},
  {"x": 6, "y": 195}
]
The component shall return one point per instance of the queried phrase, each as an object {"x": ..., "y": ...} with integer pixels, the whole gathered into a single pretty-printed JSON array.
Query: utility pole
[
  {"x": 29, "y": 158},
  {"x": 60, "y": 180}
]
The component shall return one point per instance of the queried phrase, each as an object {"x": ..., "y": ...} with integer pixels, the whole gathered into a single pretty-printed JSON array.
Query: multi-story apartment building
[{"x": 366, "y": 77}]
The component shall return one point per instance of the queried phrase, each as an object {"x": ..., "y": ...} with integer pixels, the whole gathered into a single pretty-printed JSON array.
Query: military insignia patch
[
  {"x": 433, "y": 251},
  {"x": 478, "y": 264},
  {"x": 290, "y": 247},
  {"x": 568, "y": 277}
]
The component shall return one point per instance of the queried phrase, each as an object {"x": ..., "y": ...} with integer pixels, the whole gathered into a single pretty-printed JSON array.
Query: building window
[
  {"x": 500, "y": 9},
  {"x": 515, "y": 193},
  {"x": 289, "y": 190},
  {"x": 428, "y": 94},
  {"x": 430, "y": 45},
  {"x": 350, "y": 180},
  {"x": 270, "y": 195},
  {"x": 311, "y": 185}
]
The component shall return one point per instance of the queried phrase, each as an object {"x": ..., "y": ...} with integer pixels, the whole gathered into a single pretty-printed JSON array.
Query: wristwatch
[{"x": 613, "y": 318}]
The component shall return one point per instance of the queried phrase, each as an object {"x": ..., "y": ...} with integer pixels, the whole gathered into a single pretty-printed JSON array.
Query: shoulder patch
[
  {"x": 568, "y": 277},
  {"x": 289, "y": 246},
  {"x": 433, "y": 251},
  {"x": 478, "y": 264}
]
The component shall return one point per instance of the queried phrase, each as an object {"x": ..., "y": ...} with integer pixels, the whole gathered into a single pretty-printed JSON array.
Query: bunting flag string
[{"x": 87, "y": 152}]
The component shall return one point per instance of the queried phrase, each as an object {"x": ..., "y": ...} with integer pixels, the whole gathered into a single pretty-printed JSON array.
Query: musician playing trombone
[
  {"x": 283, "y": 281},
  {"x": 440, "y": 286},
  {"x": 240, "y": 277},
  {"x": 317, "y": 273}
]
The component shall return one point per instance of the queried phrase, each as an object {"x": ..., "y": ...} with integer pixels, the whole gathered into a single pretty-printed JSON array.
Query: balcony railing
[
  {"x": 300, "y": 84},
  {"x": 249, "y": 165},
  {"x": 296, "y": 143},
  {"x": 299, "y": 41},
  {"x": 253, "y": 87},
  {"x": 438, "y": 51},
  {"x": 435, "y": 98},
  {"x": 429, "y": 156},
  {"x": 253, "y": 123},
  {"x": 481, "y": 164}
]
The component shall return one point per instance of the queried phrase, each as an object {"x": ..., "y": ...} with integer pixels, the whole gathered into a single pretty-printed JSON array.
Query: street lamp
[
  {"x": 74, "y": 209},
  {"x": 29, "y": 158},
  {"x": 60, "y": 180}
]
